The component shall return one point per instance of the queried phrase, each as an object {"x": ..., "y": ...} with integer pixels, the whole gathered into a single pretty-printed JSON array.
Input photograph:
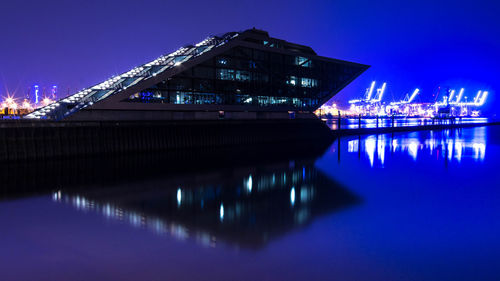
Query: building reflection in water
[
  {"x": 449, "y": 145},
  {"x": 246, "y": 207}
]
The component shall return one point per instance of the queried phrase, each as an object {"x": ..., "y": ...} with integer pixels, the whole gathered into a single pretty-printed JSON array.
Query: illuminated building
[
  {"x": 35, "y": 98},
  {"x": 54, "y": 92},
  {"x": 238, "y": 75}
]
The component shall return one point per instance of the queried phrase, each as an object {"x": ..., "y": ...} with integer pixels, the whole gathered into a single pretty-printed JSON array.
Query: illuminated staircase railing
[{"x": 73, "y": 103}]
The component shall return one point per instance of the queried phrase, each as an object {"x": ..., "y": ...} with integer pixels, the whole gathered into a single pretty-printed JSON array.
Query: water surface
[{"x": 408, "y": 206}]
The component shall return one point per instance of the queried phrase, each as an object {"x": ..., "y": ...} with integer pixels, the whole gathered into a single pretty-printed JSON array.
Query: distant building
[
  {"x": 53, "y": 92},
  {"x": 238, "y": 75},
  {"x": 36, "y": 96}
]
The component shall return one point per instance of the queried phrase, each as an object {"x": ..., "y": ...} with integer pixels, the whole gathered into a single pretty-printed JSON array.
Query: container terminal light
[
  {"x": 483, "y": 99},
  {"x": 370, "y": 91},
  {"x": 452, "y": 93},
  {"x": 460, "y": 94},
  {"x": 408, "y": 107},
  {"x": 476, "y": 99},
  {"x": 413, "y": 95},
  {"x": 380, "y": 93}
]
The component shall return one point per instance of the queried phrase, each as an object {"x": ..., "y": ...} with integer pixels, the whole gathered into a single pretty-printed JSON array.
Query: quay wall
[{"x": 40, "y": 140}]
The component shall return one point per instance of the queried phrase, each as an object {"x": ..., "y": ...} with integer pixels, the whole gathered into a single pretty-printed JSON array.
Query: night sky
[{"x": 409, "y": 44}]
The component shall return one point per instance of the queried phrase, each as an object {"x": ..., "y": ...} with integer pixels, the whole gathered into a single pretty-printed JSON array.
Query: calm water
[{"x": 412, "y": 206}]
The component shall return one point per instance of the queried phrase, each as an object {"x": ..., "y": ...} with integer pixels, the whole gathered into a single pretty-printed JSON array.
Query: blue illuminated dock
[{"x": 360, "y": 126}]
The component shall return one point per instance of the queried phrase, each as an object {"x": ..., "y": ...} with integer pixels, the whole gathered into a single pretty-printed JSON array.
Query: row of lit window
[
  {"x": 299, "y": 61},
  {"x": 245, "y": 76},
  {"x": 231, "y": 74},
  {"x": 239, "y": 63},
  {"x": 212, "y": 98},
  {"x": 241, "y": 75}
]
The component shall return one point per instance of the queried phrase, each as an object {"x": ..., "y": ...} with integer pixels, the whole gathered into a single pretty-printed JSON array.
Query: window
[
  {"x": 231, "y": 74},
  {"x": 308, "y": 82},
  {"x": 202, "y": 49},
  {"x": 179, "y": 59},
  {"x": 243, "y": 99},
  {"x": 302, "y": 61},
  {"x": 205, "y": 98},
  {"x": 178, "y": 98},
  {"x": 292, "y": 80},
  {"x": 270, "y": 101},
  {"x": 242, "y": 75},
  {"x": 225, "y": 74},
  {"x": 270, "y": 44}
]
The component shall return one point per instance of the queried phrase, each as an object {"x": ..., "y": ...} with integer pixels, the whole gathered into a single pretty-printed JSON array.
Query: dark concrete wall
[
  {"x": 48, "y": 140},
  {"x": 126, "y": 114}
]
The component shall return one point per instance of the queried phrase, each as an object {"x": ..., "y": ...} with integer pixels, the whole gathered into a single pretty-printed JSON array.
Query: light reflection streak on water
[
  {"x": 179, "y": 197},
  {"x": 135, "y": 219},
  {"x": 249, "y": 183},
  {"x": 453, "y": 147},
  {"x": 370, "y": 148},
  {"x": 221, "y": 212},
  {"x": 381, "y": 151},
  {"x": 412, "y": 148}
]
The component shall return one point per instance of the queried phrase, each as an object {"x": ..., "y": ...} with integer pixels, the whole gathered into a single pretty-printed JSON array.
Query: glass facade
[{"x": 246, "y": 76}]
